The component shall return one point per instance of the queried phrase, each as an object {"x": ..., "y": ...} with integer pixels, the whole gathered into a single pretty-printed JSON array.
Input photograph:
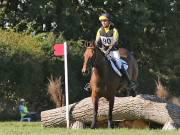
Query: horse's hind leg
[
  {"x": 95, "y": 100},
  {"x": 111, "y": 105}
]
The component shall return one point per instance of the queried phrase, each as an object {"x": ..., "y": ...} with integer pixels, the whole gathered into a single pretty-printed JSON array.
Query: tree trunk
[{"x": 146, "y": 107}]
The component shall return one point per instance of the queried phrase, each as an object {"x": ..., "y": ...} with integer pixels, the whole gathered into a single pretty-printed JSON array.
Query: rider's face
[{"x": 105, "y": 23}]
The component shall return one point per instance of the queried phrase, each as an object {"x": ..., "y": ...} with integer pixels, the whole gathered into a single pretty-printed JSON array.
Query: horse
[{"x": 104, "y": 81}]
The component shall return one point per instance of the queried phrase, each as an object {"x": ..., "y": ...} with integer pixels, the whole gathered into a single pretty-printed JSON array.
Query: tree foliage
[{"x": 26, "y": 63}]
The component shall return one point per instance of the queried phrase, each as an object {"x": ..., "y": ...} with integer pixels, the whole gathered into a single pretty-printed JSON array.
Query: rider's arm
[
  {"x": 98, "y": 37},
  {"x": 115, "y": 35}
]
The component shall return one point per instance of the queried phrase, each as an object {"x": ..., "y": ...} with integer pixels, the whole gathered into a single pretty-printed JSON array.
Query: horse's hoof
[
  {"x": 93, "y": 126},
  {"x": 111, "y": 127},
  {"x": 110, "y": 124}
]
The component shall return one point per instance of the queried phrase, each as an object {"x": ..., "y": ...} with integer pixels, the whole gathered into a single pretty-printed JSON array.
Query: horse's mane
[
  {"x": 103, "y": 55},
  {"x": 105, "y": 62}
]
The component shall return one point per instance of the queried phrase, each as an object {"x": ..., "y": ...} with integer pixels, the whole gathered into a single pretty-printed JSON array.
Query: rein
[{"x": 95, "y": 54}]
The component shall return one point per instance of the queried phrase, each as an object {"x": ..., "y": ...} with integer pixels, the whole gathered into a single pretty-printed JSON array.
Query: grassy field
[{"x": 24, "y": 128}]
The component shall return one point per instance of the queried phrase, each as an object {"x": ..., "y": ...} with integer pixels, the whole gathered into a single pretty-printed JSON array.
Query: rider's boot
[
  {"x": 131, "y": 84},
  {"x": 125, "y": 74}
]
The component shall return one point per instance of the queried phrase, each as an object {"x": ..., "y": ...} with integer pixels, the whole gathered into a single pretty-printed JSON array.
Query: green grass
[{"x": 34, "y": 128}]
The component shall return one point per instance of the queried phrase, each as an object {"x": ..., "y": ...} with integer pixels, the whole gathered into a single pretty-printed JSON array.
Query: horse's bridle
[{"x": 92, "y": 60}]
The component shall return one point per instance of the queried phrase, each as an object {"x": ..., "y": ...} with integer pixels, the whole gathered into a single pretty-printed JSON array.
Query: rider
[{"x": 107, "y": 37}]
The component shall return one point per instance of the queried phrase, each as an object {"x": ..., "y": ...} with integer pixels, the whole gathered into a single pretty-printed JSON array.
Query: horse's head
[{"x": 88, "y": 54}]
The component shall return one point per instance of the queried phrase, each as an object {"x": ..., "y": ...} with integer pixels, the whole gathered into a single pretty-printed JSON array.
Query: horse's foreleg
[
  {"x": 111, "y": 105},
  {"x": 95, "y": 100}
]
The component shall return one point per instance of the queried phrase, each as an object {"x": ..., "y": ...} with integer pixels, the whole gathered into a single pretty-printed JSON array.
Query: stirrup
[
  {"x": 132, "y": 85},
  {"x": 132, "y": 89},
  {"x": 87, "y": 87}
]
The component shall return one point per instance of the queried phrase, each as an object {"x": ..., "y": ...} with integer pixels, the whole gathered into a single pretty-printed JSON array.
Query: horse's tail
[{"x": 132, "y": 62}]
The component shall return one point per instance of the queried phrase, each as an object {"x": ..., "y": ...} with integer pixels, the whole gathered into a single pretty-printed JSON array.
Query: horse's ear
[
  {"x": 93, "y": 43},
  {"x": 82, "y": 43},
  {"x": 88, "y": 44}
]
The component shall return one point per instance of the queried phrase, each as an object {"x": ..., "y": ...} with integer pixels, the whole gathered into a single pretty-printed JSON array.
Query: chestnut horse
[{"x": 104, "y": 81}]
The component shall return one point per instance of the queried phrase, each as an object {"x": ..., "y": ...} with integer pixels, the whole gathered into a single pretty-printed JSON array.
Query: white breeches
[
  {"x": 115, "y": 54},
  {"x": 119, "y": 62}
]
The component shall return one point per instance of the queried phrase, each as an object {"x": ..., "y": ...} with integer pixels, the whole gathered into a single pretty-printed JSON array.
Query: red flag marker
[{"x": 58, "y": 49}]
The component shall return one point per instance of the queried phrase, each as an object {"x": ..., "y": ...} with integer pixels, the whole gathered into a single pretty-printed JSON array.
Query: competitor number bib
[{"x": 107, "y": 41}]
